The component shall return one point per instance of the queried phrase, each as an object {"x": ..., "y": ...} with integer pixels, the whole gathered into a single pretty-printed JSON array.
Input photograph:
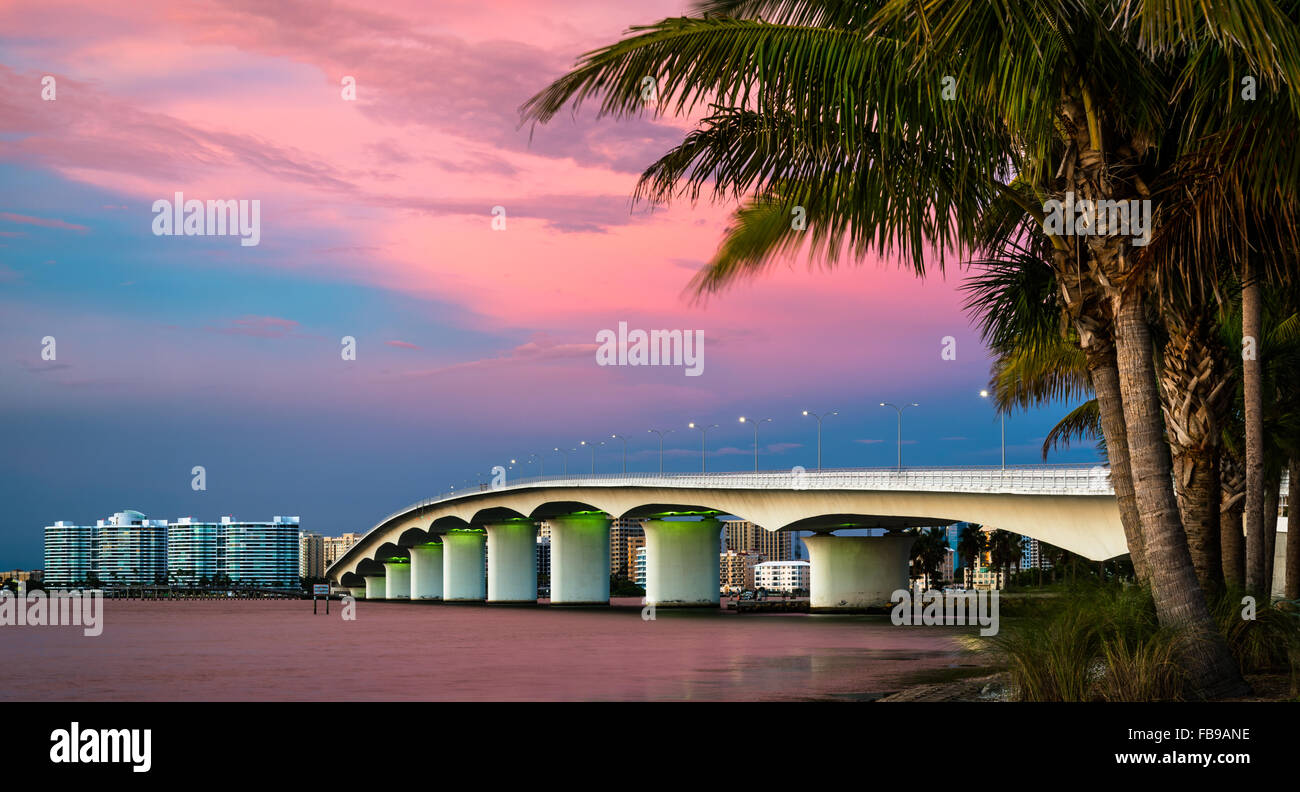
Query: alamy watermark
[
  {"x": 652, "y": 348},
  {"x": 179, "y": 217},
  {"x": 37, "y": 609},
  {"x": 1105, "y": 217},
  {"x": 946, "y": 608}
]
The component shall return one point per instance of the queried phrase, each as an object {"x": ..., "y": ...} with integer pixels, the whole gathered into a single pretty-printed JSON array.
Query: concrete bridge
[{"x": 435, "y": 549}]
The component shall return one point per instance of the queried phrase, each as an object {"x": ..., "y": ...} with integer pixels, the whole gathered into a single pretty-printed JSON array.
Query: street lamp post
[
  {"x": 900, "y": 427},
  {"x": 540, "y": 466},
  {"x": 756, "y": 423},
  {"x": 566, "y": 458},
  {"x": 661, "y": 446},
  {"x": 624, "y": 439},
  {"x": 819, "y": 432},
  {"x": 704, "y": 444},
  {"x": 593, "y": 454},
  {"x": 984, "y": 395}
]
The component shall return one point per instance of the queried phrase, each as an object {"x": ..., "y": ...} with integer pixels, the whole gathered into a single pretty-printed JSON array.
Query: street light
[
  {"x": 624, "y": 439},
  {"x": 756, "y": 423},
  {"x": 593, "y": 454},
  {"x": 819, "y": 432},
  {"x": 900, "y": 427},
  {"x": 661, "y": 446},
  {"x": 566, "y": 458},
  {"x": 984, "y": 395},
  {"x": 704, "y": 444},
  {"x": 540, "y": 466}
]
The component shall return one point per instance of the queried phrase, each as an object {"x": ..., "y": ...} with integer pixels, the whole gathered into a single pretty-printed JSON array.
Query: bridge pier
[
  {"x": 357, "y": 592},
  {"x": 462, "y": 565},
  {"x": 512, "y": 562},
  {"x": 682, "y": 563},
  {"x": 397, "y": 580},
  {"x": 426, "y": 571},
  {"x": 853, "y": 573},
  {"x": 374, "y": 587},
  {"x": 580, "y": 559}
]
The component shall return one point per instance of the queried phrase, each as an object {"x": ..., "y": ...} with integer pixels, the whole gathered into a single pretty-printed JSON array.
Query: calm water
[{"x": 276, "y": 650}]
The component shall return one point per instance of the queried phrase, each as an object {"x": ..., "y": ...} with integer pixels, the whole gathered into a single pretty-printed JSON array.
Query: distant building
[
  {"x": 336, "y": 546},
  {"x": 786, "y": 576},
  {"x": 129, "y": 549},
  {"x": 1032, "y": 556},
  {"x": 311, "y": 555},
  {"x": 736, "y": 571},
  {"x": 742, "y": 536},
  {"x": 22, "y": 575},
  {"x": 543, "y": 558},
  {"x": 638, "y": 569},
  {"x": 624, "y": 537}
]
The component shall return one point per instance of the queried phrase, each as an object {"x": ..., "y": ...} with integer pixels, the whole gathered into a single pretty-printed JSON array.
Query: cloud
[
  {"x": 401, "y": 344},
  {"x": 258, "y": 327},
  {"x": 40, "y": 221}
]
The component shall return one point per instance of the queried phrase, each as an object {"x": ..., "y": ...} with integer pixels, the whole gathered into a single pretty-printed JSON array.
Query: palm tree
[
  {"x": 971, "y": 544},
  {"x": 1005, "y": 550},
  {"x": 836, "y": 109},
  {"x": 928, "y": 551}
]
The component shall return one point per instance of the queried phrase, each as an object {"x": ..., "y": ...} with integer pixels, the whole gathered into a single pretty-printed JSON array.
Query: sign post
[{"x": 317, "y": 589}]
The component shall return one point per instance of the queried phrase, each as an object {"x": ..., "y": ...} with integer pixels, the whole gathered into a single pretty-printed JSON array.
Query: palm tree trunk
[
  {"x": 1292, "y": 543},
  {"x": 1252, "y": 333},
  {"x": 1272, "y": 491},
  {"x": 1198, "y": 501},
  {"x": 1211, "y": 670},
  {"x": 1105, "y": 384},
  {"x": 1232, "y": 538}
]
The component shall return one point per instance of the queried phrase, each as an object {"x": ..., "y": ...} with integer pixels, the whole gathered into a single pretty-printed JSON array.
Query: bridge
[{"x": 435, "y": 549}]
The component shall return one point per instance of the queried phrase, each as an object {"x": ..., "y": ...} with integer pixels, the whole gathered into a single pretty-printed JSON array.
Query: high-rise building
[
  {"x": 1032, "y": 556},
  {"x": 742, "y": 536},
  {"x": 194, "y": 551},
  {"x": 67, "y": 553},
  {"x": 311, "y": 555},
  {"x": 623, "y": 534},
  {"x": 129, "y": 549},
  {"x": 736, "y": 571},
  {"x": 336, "y": 546}
]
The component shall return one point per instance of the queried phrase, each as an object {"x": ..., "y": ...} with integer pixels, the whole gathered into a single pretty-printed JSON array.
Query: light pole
[
  {"x": 984, "y": 395},
  {"x": 624, "y": 439},
  {"x": 756, "y": 423},
  {"x": 704, "y": 444},
  {"x": 540, "y": 466},
  {"x": 593, "y": 454},
  {"x": 566, "y": 458},
  {"x": 819, "y": 432},
  {"x": 661, "y": 446},
  {"x": 900, "y": 427}
]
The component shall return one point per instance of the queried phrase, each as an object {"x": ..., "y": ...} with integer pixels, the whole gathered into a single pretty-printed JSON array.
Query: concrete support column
[
  {"x": 580, "y": 559},
  {"x": 358, "y": 592},
  {"x": 852, "y": 573},
  {"x": 681, "y": 559},
  {"x": 375, "y": 587},
  {"x": 462, "y": 565},
  {"x": 397, "y": 580},
  {"x": 512, "y": 562},
  {"x": 426, "y": 571}
]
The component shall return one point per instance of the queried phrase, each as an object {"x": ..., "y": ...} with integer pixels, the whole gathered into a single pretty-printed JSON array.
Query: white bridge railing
[{"x": 1028, "y": 480}]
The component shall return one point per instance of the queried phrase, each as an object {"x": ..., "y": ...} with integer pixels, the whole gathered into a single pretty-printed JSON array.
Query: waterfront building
[
  {"x": 736, "y": 571},
  {"x": 194, "y": 551},
  {"x": 22, "y": 575},
  {"x": 336, "y": 546},
  {"x": 67, "y": 553},
  {"x": 311, "y": 555},
  {"x": 743, "y": 536},
  {"x": 1033, "y": 557},
  {"x": 785, "y": 576},
  {"x": 129, "y": 548},
  {"x": 263, "y": 553}
]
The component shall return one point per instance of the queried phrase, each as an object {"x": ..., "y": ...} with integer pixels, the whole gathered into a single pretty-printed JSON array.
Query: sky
[{"x": 473, "y": 344}]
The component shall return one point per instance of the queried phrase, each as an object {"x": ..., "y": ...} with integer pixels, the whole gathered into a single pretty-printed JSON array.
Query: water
[{"x": 278, "y": 651}]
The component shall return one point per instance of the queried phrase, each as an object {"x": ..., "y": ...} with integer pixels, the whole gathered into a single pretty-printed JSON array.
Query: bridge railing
[{"x": 1034, "y": 479}]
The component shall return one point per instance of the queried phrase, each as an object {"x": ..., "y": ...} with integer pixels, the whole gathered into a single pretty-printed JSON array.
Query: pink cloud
[{"x": 40, "y": 221}]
